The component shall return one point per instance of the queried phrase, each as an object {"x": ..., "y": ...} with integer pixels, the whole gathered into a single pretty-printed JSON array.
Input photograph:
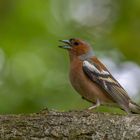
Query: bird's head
[{"x": 76, "y": 47}]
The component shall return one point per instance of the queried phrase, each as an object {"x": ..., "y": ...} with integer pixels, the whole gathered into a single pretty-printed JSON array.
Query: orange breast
[{"x": 84, "y": 86}]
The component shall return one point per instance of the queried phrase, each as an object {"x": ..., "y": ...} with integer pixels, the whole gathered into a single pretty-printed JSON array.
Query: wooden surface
[{"x": 74, "y": 125}]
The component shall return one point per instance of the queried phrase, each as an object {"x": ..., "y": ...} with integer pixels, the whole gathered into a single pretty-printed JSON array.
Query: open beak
[{"x": 67, "y": 44}]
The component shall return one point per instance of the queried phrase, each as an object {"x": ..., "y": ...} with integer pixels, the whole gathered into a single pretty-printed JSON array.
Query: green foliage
[{"x": 33, "y": 70}]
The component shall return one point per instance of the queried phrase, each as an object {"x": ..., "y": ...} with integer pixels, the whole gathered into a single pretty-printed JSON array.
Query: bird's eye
[{"x": 76, "y": 43}]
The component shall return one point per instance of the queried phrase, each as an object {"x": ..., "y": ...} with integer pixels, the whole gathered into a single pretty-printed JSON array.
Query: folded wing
[{"x": 107, "y": 82}]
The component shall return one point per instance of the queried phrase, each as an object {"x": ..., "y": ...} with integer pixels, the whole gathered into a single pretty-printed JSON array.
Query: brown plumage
[{"x": 91, "y": 79}]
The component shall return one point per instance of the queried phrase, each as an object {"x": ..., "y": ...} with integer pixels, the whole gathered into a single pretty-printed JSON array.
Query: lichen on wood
[{"x": 72, "y": 125}]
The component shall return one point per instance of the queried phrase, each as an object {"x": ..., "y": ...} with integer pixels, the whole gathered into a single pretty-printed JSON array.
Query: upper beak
[{"x": 67, "y": 44}]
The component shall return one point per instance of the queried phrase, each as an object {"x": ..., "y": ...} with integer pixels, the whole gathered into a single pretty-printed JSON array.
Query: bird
[{"x": 92, "y": 80}]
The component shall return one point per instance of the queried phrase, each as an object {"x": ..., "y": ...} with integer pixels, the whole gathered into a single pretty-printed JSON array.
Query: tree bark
[{"x": 73, "y": 125}]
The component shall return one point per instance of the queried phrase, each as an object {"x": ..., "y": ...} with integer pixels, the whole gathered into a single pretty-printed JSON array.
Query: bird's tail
[{"x": 135, "y": 108}]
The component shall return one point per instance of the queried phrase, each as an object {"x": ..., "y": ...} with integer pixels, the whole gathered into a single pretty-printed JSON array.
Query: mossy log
[{"x": 73, "y": 125}]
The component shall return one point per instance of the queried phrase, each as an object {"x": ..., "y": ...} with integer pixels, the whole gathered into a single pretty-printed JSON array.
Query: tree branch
[{"x": 82, "y": 125}]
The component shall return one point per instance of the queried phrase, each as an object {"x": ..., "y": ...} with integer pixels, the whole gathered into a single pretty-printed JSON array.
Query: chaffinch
[{"x": 92, "y": 80}]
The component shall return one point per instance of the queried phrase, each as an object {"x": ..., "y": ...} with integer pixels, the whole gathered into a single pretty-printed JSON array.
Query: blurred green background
[{"x": 34, "y": 71}]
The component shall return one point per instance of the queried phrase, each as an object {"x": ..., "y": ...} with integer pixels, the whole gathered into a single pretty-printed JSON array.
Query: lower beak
[{"x": 67, "y": 46}]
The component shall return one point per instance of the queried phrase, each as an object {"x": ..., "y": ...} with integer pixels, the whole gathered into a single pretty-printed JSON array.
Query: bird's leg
[{"x": 96, "y": 105}]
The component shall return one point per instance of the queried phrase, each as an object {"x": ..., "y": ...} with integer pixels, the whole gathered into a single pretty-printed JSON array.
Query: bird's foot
[{"x": 96, "y": 105}]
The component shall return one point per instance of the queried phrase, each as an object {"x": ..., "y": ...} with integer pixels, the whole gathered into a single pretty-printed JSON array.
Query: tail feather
[{"x": 135, "y": 108}]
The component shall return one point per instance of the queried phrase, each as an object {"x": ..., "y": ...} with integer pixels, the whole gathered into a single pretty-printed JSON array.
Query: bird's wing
[{"x": 106, "y": 81}]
